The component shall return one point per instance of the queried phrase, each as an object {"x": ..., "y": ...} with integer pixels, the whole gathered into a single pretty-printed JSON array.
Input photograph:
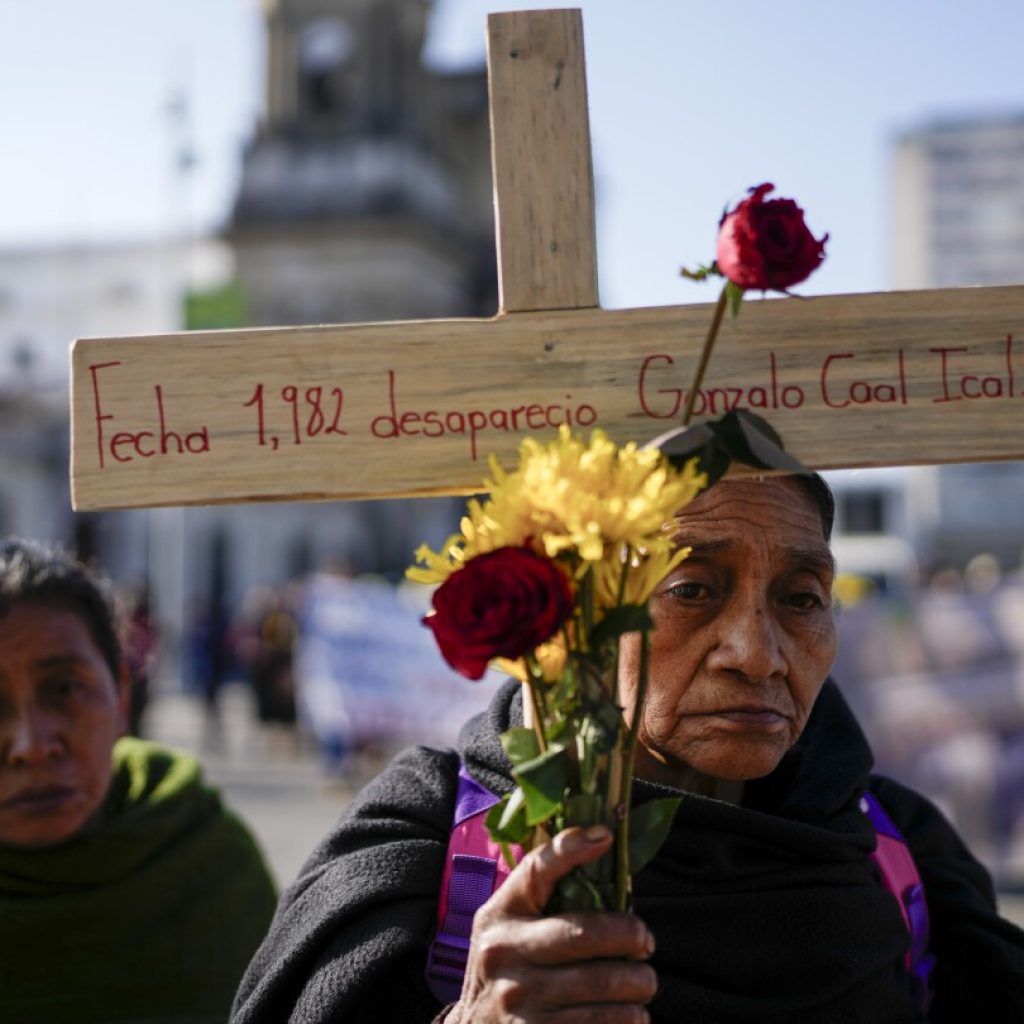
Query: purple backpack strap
[
  {"x": 473, "y": 870},
  {"x": 899, "y": 873}
]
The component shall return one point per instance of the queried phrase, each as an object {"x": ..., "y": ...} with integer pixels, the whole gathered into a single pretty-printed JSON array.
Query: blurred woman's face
[{"x": 61, "y": 710}]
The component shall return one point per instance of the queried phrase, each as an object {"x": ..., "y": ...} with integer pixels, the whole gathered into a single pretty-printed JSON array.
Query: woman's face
[
  {"x": 61, "y": 711},
  {"x": 743, "y": 637}
]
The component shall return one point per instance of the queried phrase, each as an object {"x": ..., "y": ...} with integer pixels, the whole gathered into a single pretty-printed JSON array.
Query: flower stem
[
  {"x": 705, "y": 356},
  {"x": 587, "y": 606},
  {"x": 538, "y": 721},
  {"x": 620, "y": 600},
  {"x": 627, "y": 556},
  {"x": 622, "y": 880}
]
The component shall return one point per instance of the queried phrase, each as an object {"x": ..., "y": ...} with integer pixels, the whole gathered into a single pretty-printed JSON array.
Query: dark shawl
[
  {"x": 770, "y": 912},
  {"x": 150, "y": 916}
]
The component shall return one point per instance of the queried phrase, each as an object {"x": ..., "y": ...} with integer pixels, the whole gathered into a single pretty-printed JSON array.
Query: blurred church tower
[
  {"x": 366, "y": 192},
  {"x": 365, "y": 195}
]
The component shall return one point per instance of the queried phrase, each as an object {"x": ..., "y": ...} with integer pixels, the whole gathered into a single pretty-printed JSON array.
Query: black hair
[
  {"x": 815, "y": 487},
  {"x": 46, "y": 575}
]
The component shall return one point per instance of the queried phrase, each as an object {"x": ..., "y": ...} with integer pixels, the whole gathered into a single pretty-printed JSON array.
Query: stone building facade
[{"x": 365, "y": 195}]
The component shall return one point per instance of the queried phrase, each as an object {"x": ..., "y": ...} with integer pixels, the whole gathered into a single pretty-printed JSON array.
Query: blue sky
[{"x": 690, "y": 104}]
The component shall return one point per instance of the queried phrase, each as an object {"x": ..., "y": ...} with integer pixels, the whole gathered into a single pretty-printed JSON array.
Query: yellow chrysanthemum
[
  {"x": 550, "y": 657},
  {"x": 570, "y": 498},
  {"x": 646, "y": 571}
]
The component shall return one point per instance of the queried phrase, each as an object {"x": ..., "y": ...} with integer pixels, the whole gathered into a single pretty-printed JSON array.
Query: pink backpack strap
[
  {"x": 900, "y": 875},
  {"x": 473, "y": 869}
]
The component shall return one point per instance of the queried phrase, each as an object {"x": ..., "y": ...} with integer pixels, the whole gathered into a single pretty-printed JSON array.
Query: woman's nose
[
  {"x": 31, "y": 738},
  {"x": 748, "y": 641}
]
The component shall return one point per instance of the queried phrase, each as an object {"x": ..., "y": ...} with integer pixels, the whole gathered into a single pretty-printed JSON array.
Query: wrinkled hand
[{"x": 580, "y": 968}]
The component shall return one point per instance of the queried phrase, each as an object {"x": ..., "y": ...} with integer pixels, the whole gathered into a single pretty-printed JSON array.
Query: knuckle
[
  {"x": 647, "y": 981},
  {"x": 538, "y": 873},
  {"x": 631, "y": 934},
  {"x": 492, "y": 952},
  {"x": 560, "y": 845},
  {"x": 533, "y": 870},
  {"x": 625, "y": 982},
  {"x": 564, "y": 845},
  {"x": 486, "y": 916},
  {"x": 642, "y": 938},
  {"x": 573, "y": 929},
  {"x": 625, "y": 934},
  {"x": 509, "y": 994}
]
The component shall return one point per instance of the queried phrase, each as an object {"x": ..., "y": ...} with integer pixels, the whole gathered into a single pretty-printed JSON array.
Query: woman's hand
[{"x": 582, "y": 968}]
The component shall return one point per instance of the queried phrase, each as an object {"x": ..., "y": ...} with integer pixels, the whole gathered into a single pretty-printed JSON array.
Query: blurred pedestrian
[
  {"x": 209, "y": 660},
  {"x": 273, "y": 669},
  {"x": 140, "y": 651}
]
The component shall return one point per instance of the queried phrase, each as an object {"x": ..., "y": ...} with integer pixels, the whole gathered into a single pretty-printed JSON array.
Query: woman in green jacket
[{"x": 128, "y": 892}]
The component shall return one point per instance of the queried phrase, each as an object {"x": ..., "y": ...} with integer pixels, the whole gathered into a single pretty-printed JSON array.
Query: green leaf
[
  {"x": 575, "y": 892},
  {"x": 560, "y": 733},
  {"x": 543, "y": 782},
  {"x": 520, "y": 745},
  {"x": 735, "y": 295},
  {"x": 626, "y": 618},
  {"x": 586, "y": 756},
  {"x": 562, "y": 691},
  {"x": 583, "y": 809},
  {"x": 506, "y": 820},
  {"x": 610, "y": 717},
  {"x": 702, "y": 273},
  {"x": 508, "y": 856},
  {"x": 600, "y": 725},
  {"x": 649, "y": 825}
]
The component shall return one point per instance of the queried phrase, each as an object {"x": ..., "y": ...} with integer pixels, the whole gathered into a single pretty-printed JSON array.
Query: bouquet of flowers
[
  {"x": 545, "y": 576},
  {"x": 558, "y": 562}
]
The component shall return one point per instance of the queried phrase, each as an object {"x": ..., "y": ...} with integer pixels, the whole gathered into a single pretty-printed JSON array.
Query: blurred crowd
[
  {"x": 935, "y": 673},
  {"x": 253, "y": 643},
  {"x": 332, "y": 660}
]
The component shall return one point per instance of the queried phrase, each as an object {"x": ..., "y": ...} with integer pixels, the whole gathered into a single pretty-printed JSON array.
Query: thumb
[{"x": 528, "y": 889}]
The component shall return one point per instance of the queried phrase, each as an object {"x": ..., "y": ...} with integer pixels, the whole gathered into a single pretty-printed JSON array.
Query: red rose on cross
[
  {"x": 767, "y": 245},
  {"x": 501, "y": 604}
]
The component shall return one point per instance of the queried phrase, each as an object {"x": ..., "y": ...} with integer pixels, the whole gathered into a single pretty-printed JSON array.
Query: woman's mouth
[
  {"x": 752, "y": 717},
  {"x": 39, "y": 799}
]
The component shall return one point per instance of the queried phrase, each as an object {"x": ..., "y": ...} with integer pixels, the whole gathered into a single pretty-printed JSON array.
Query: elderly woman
[
  {"x": 127, "y": 891},
  {"x": 763, "y": 905}
]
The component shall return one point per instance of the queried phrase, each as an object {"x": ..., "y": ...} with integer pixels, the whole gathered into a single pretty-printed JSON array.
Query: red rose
[
  {"x": 501, "y": 604},
  {"x": 767, "y": 244}
]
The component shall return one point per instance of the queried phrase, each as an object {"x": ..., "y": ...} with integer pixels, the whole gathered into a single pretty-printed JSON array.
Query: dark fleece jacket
[{"x": 769, "y": 912}]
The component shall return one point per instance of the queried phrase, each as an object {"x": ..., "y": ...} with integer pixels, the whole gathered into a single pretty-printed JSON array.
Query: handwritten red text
[
  {"x": 471, "y": 422},
  {"x": 127, "y": 445}
]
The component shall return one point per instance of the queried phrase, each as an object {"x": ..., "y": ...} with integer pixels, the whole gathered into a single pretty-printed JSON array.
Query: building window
[
  {"x": 325, "y": 50},
  {"x": 863, "y": 512}
]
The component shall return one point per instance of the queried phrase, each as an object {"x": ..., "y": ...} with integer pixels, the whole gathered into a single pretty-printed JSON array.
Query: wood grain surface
[
  {"x": 540, "y": 153},
  {"x": 415, "y": 408}
]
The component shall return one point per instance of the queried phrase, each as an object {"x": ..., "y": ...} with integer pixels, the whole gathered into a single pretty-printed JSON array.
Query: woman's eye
[
  {"x": 62, "y": 689},
  {"x": 689, "y": 591},
  {"x": 806, "y": 601}
]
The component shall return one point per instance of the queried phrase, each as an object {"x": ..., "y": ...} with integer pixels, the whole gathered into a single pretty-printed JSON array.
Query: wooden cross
[{"x": 414, "y": 408}]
